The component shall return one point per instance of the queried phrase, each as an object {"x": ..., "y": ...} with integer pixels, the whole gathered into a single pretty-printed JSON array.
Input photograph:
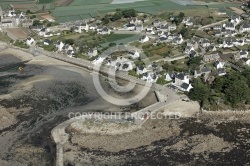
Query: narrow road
[{"x": 213, "y": 24}]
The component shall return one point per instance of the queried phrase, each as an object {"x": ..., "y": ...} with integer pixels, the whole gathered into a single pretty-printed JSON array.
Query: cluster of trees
[
  {"x": 118, "y": 15},
  {"x": 194, "y": 62},
  {"x": 232, "y": 89},
  {"x": 37, "y": 22},
  {"x": 187, "y": 33},
  {"x": 178, "y": 19}
]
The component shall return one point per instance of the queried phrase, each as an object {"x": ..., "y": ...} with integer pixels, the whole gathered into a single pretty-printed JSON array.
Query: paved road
[
  {"x": 213, "y": 24},
  {"x": 87, "y": 64}
]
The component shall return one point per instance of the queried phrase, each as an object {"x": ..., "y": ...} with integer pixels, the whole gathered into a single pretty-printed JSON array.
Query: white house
[
  {"x": 245, "y": 27},
  {"x": 188, "y": 49},
  {"x": 42, "y": 31},
  {"x": 156, "y": 23},
  {"x": 177, "y": 41},
  {"x": 246, "y": 61},
  {"x": 129, "y": 27},
  {"x": 84, "y": 26},
  {"x": 221, "y": 71},
  {"x": 172, "y": 27},
  {"x": 150, "y": 77},
  {"x": 169, "y": 76},
  {"x": 92, "y": 52},
  {"x": 217, "y": 27},
  {"x": 70, "y": 53},
  {"x": 59, "y": 45},
  {"x": 47, "y": 42},
  {"x": 239, "y": 42},
  {"x": 204, "y": 70},
  {"x": 212, "y": 48},
  {"x": 219, "y": 64},
  {"x": 11, "y": 13},
  {"x": 241, "y": 54},
  {"x": 229, "y": 26},
  {"x": 30, "y": 41},
  {"x": 48, "y": 34},
  {"x": 182, "y": 82},
  {"x": 194, "y": 42},
  {"x": 185, "y": 87},
  {"x": 227, "y": 43},
  {"x": 235, "y": 19},
  {"x": 181, "y": 78},
  {"x": 7, "y": 23},
  {"x": 150, "y": 32},
  {"x": 134, "y": 20},
  {"x": 134, "y": 54},
  {"x": 141, "y": 70},
  {"x": 92, "y": 27},
  {"x": 139, "y": 27},
  {"x": 189, "y": 23},
  {"x": 204, "y": 43},
  {"x": 98, "y": 60},
  {"x": 103, "y": 31},
  {"x": 185, "y": 20},
  {"x": 211, "y": 57},
  {"x": 144, "y": 38},
  {"x": 126, "y": 66}
]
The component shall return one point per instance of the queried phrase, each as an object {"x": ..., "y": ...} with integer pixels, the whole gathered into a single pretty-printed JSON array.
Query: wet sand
[{"x": 39, "y": 97}]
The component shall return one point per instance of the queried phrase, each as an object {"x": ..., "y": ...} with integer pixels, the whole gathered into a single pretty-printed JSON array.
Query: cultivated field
[
  {"x": 81, "y": 9},
  {"x": 70, "y": 10}
]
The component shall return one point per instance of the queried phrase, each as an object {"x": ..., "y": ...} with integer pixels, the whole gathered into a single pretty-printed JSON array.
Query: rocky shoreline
[{"x": 38, "y": 98}]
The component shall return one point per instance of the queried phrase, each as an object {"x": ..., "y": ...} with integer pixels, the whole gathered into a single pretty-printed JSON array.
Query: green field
[
  {"x": 91, "y": 8},
  {"x": 82, "y": 9},
  {"x": 118, "y": 38},
  {"x": 45, "y": 1}
]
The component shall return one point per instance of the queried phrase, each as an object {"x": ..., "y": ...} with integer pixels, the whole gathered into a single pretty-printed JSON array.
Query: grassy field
[
  {"x": 82, "y": 9},
  {"x": 118, "y": 38},
  {"x": 45, "y": 1},
  {"x": 88, "y": 8},
  {"x": 115, "y": 37}
]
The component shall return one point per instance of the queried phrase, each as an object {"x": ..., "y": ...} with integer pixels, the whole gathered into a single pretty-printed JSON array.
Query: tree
[
  {"x": 29, "y": 12},
  {"x": 219, "y": 84},
  {"x": 181, "y": 15},
  {"x": 33, "y": 16},
  {"x": 116, "y": 16},
  {"x": 105, "y": 20},
  {"x": 200, "y": 92},
  {"x": 236, "y": 89},
  {"x": 112, "y": 44},
  {"x": 184, "y": 32},
  {"x": 168, "y": 67},
  {"x": 246, "y": 74},
  {"x": 36, "y": 23},
  {"x": 194, "y": 62},
  {"x": 174, "y": 62},
  {"x": 69, "y": 41},
  {"x": 129, "y": 13}
]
